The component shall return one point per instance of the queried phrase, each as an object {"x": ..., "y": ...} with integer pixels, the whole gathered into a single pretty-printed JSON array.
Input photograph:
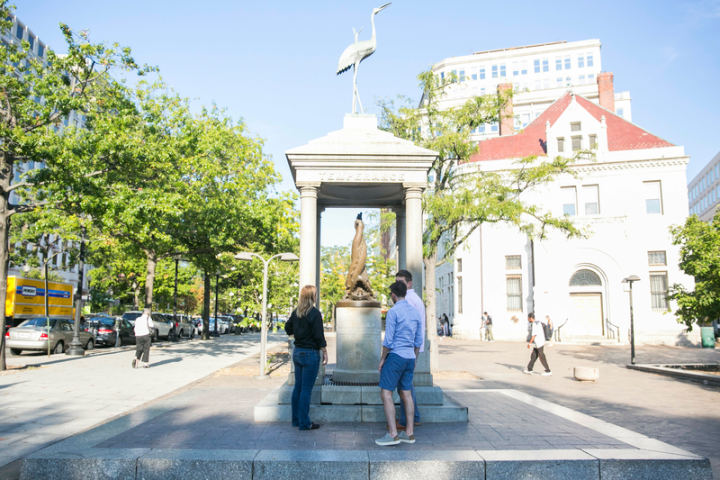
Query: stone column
[
  {"x": 308, "y": 234},
  {"x": 413, "y": 238},
  {"x": 400, "y": 230}
]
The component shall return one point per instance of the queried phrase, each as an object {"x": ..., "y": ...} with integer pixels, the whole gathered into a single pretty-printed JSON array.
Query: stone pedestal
[{"x": 359, "y": 343}]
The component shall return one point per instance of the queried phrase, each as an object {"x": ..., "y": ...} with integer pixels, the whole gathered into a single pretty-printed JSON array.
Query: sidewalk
[
  {"x": 67, "y": 395},
  {"x": 207, "y": 431}
]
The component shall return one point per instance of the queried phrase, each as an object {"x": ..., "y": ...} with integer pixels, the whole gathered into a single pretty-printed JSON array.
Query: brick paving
[{"x": 497, "y": 422}]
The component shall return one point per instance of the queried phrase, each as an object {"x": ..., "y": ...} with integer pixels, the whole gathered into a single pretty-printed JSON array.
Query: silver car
[{"x": 33, "y": 334}]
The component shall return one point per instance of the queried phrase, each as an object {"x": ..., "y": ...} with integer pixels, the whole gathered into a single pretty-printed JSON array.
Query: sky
[{"x": 273, "y": 64}]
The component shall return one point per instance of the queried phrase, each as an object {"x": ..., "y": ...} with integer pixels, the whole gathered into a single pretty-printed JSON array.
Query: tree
[
  {"x": 456, "y": 204},
  {"x": 35, "y": 97},
  {"x": 699, "y": 258},
  {"x": 334, "y": 265}
]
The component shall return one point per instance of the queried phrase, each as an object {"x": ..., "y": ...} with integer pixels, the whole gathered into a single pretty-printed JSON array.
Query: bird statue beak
[{"x": 379, "y": 9}]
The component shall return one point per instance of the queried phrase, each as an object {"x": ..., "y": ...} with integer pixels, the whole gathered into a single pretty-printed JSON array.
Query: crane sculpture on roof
[{"x": 356, "y": 53}]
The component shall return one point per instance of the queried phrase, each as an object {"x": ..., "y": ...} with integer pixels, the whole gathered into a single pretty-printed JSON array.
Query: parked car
[
  {"x": 33, "y": 334},
  {"x": 105, "y": 331},
  {"x": 182, "y": 324},
  {"x": 230, "y": 322},
  {"x": 161, "y": 325},
  {"x": 131, "y": 316},
  {"x": 222, "y": 327}
]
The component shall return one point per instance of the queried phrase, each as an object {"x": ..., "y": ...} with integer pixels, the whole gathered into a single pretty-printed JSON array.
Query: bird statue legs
[{"x": 356, "y": 94}]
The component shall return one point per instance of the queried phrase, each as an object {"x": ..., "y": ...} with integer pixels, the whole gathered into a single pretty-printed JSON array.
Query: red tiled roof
[{"x": 622, "y": 135}]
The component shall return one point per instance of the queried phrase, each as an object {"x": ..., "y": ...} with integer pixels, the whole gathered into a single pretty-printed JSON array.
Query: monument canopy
[{"x": 360, "y": 165}]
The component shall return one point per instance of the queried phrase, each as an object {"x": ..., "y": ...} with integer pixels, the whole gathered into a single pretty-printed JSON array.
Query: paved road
[
  {"x": 682, "y": 413},
  {"x": 67, "y": 395}
]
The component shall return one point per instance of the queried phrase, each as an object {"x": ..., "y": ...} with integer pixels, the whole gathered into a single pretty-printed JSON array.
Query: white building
[
  {"x": 627, "y": 199},
  {"x": 60, "y": 265},
  {"x": 540, "y": 74},
  {"x": 704, "y": 191}
]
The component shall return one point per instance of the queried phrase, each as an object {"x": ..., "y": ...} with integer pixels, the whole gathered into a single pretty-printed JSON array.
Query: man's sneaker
[
  {"x": 388, "y": 440},
  {"x": 134, "y": 363},
  {"x": 403, "y": 437},
  {"x": 529, "y": 372},
  {"x": 546, "y": 374}
]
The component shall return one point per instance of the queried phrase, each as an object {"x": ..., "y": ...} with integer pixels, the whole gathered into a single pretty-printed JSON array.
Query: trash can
[{"x": 708, "y": 337}]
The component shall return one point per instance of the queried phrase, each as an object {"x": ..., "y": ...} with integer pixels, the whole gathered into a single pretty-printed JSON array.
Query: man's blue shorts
[{"x": 397, "y": 372}]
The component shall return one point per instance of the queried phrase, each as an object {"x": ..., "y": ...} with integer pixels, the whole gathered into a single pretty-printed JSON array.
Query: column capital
[
  {"x": 308, "y": 191},
  {"x": 413, "y": 192}
]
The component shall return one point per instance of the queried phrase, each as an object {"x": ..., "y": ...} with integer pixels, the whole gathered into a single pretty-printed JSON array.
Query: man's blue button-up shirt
[{"x": 403, "y": 332}]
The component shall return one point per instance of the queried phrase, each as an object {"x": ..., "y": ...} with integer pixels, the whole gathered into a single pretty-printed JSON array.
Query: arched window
[{"x": 585, "y": 278}]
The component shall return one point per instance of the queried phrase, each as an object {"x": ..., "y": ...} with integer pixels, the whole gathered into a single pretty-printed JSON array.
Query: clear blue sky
[{"x": 273, "y": 63}]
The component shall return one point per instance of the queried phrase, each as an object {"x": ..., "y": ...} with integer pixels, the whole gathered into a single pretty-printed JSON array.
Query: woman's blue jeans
[{"x": 307, "y": 363}]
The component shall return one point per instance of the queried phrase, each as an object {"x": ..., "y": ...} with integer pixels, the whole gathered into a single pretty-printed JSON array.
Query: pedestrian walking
[
  {"x": 416, "y": 302},
  {"x": 401, "y": 347},
  {"x": 537, "y": 343},
  {"x": 488, "y": 328},
  {"x": 143, "y": 340},
  {"x": 306, "y": 325}
]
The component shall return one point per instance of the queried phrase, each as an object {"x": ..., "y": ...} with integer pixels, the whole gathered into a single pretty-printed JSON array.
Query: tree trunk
[
  {"x": 430, "y": 309},
  {"x": 150, "y": 278},
  {"x": 4, "y": 266},
  {"x": 136, "y": 296},
  {"x": 206, "y": 307}
]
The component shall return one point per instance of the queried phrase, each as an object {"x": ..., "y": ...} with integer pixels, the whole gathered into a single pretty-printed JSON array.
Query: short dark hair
[
  {"x": 404, "y": 274},
  {"x": 399, "y": 289},
  {"x": 531, "y": 315}
]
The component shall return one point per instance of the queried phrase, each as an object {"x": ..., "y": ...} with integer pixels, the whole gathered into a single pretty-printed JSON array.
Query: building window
[
  {"x": 581, "y": 79},
  {"x": 481, "y": 128},
  {"x": 591, "y": 198},
  {"x": 620, "y": 112},
  {"x": 474, "y": 76},
  {"x": 460, "y": 293},
  {"x": 459, "y": 265},
  {"x": 568, "y": 81},
  {"x": 515, "y": 69},
  {"x": 41, "y": 50},
  {"x": 538, "y": 86},
  {"x": 658, "y": 290},
  {"x": 653, "y": 197},
  {"x": 589, "y": 60},
  {"x": 494, "y": 127},
  {"x": 546, "y": 83},
  {"x": 575, "y": 126},
  {"x": 569, "y": 200},
  {"x": 581, "y": 61},
  {"x": 558, "y": 63},
  {"x": 462, "y": 75},
  {"x": 513, "y": 262},
  {"x": 585, "y": 278},
  {"x": 591, "y": 78},
  {"x": 593, "y": 140},
  {"x": 502, "y": 71},
  {"x": 31, "y": 41},
  {"x": 576, "y": 143},
  {"x": 546, "y": 66},
  {"x": 525, "y": 119},
  {"x": 494, "y": 71},
  {"x": 514, "y": 292},
  {"x": 561, "y": 145},
  {"x": 558, "y": 82},
  {"x": 523, "y": 67},
  {"x": 568, "y": 65},
  {"x": 19, "y": 32},
  {"x": 482, "y": 73},
  {"x": 657, "y": 259},
  {"x": 536, "y": 65}
]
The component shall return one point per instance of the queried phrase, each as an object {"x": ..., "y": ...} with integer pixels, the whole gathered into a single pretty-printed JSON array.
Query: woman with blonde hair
[{"x": 306, "y": 325}]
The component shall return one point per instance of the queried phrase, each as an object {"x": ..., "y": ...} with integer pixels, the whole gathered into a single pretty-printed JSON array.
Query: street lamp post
[
  {"x": 630, "y": 280},
  {"x": 285, "y": 257},
  {"x": 173, "y": 330}
]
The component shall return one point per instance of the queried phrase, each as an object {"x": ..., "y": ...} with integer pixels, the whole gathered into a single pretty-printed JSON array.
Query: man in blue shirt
[
  {"x": 403, "y": 338},
  {"x": 413, "y": 299}
]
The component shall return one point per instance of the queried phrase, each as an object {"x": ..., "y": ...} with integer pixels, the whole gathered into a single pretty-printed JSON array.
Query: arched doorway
[{"x": 586, "y": 303}]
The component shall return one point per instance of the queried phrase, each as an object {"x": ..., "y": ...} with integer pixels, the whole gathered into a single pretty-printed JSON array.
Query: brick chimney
[
  {"x": 606, "y": 91},
  {"x": 506, "y": 116}
]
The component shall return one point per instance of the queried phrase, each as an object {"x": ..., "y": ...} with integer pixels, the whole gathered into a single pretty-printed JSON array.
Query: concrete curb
[
  {"x": 696, "y": 376},
  {"x": 145, "y": 464}
]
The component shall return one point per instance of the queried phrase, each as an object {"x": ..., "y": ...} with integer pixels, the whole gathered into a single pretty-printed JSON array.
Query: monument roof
[{"x": 360, "y": 137}]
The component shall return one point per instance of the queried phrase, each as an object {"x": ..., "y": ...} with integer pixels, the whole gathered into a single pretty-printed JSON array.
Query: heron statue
[{"x": 356, "y": 53}]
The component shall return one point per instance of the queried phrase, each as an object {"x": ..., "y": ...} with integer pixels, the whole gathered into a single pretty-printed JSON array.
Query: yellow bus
[{"x": 26, "y": 299}]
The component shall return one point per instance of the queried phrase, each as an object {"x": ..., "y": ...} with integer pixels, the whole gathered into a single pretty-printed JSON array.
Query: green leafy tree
[
  {"x": 457, "y": 204},
  {"x": 35, "y": 97},
  {"x": 334, "y": 266},
  {"x": 699, "y": 258}
]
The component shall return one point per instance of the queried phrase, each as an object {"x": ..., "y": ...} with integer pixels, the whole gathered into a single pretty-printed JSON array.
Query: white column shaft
[
  {"x": 413, "y": 240},
  {"x": 308, "y": 234},
  {"x": 400, "y": 238}
]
